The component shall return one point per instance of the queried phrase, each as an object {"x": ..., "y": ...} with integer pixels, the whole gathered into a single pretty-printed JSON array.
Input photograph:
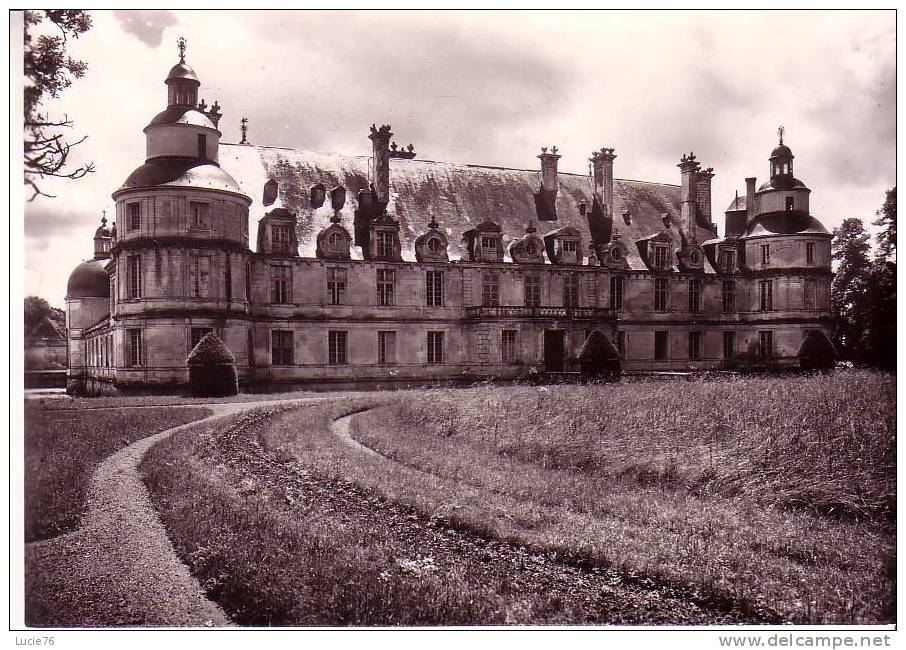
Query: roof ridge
[{"x": 447, "y": 162}]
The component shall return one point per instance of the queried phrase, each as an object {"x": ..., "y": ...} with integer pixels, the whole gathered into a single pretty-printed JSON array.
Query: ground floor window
[
  {"x": 134, "y": 352},
  {"x": 508, "y": 346},
  {"x": 386, "y": 347},
  {"x": 660, "y": 345},
  {"x": 729, "y": 344},
  {"x": 282, "y": 348},
  {"x": 435, "y": 347},
  {"x": 621, "y": 344},
  {"x": 766, "y": 344},
  {"x": 695, "y": 345},
  {"x": 336, "y": 348}
]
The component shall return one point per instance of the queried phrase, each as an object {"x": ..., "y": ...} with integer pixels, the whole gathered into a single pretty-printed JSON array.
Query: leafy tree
[
  {"x": 850, "y": 249},
  {"x": 37, "y": 308},
  {"x": 49, "y": 71},
  {"x": 880, "y": 315},
  {"x": 887, "y": 220}
]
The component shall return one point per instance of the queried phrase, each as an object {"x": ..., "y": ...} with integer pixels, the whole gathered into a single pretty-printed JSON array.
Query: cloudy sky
[{"x": 492, "y": 89}]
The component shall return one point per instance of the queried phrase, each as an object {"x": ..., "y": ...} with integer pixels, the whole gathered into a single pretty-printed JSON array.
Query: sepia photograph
[{"x": 455, "y": 320}]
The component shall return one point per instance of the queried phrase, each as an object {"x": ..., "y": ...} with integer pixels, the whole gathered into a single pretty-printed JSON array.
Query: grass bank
[
  {"x": 773, "y": 491},
  {"x": 277, "y": 520},
  {"x": 62, "y": 450}
]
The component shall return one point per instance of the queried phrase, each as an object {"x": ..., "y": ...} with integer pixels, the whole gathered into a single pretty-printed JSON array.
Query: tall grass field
[{"x": 767, "y": 499}]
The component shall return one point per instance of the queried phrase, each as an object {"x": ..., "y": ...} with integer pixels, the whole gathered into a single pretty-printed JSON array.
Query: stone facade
[{"x": 412, "y": 271}]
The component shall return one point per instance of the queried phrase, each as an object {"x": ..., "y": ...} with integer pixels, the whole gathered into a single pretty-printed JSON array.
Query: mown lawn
[
  {"x": 761, "y": 499},
  {"x": 63, "y": 447}
]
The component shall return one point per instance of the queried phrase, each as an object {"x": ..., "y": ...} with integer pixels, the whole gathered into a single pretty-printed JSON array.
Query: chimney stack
[
  {"x": 602, "y": 164},
  {"x": 703, "y": 194},
  {"x": 549, "y": 169},
  {"x": 750, "y": 199},
  {"x": 688, "y": 168},
  {"x": 380, "y": 138}
]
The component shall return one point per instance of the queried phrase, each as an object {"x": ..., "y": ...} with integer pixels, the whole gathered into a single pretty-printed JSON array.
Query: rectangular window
[
  {"x": 134, "y": 216},
  {"x": 809, "y": 253},
  {"x": 248, "y": 282},
  {"x": 765, "y": 254},
  {"x": 280, "y": 236},
  {"x": 435, "y": 347},
  {"x": 386, "y": 345},
  {"x": 134, "y": 276},
  {"x": 810, "y": 295},
  {"x": 621, "y": 344},
  {"x": 134, "y": 352},
  {"x": 489, "y": 243},
  {"x": 196, "y": 334},
  {"x": 729, "y": 296},
  {"x": 228, "y": 280},
  {"x": 434, "y": 288},
  {"x": 336, "y": 348},
  {"x": 766, "y": 288},
  {"x": 386, "y": 279},
  {"x": 660, "y": 294},
  {"x": 729, "y": 344},
  {"x": 532, "y": 283},
  {"x": 508, "y": 346},
  {"x": 201, "y": 276},
  {"x": 336, "y": 286},
  {"x": 281, "y": 285},
  {"x": 202, "y": 146},
  {"x": 660, "y": 257},
  {"x": 384, "y": 243},
  {"x": 789, "y": 204},
  {"x": 728, "y": 262},
  {"x": 766, "y": 344},
  {"x": 570, "y": 290},
  {"x": 695, "y": 295},
  {"x": 569, "y": 247},
  {"x": 490, "y": 289},
  {"x": 282, "y": 347},
  {"x": 616, "y": 292},
  {"x": 200, "y": 215},
  {"x": 695, "y": 345},
  {"x": 660, "y": 346}
]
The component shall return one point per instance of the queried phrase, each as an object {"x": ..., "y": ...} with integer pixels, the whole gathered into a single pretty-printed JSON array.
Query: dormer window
[
  {"x": 694, "y": 257},
  {"x": 335, "y": 239},
  {"x": 280, "y": 239},
  {"x": 616, "y": 254},
  {"x": 435, "y": 245},
  {"x": 531, "y": 248},
  {"x": 569, "y": 247},
  {"x": 384, "y": 243},
  {"x": 489, "y": 243},
  {"x": 729, "y": 261},
  {"x": 660, "y": 257}
]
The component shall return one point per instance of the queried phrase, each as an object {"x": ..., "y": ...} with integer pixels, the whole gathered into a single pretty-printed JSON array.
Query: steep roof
[{"x": 458, "y": 196}]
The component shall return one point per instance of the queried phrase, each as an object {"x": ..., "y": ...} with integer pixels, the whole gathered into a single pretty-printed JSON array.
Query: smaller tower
[
  {"x": 781, "y": 164},
  {"x": 182, "y": 84},
  {"x": 103, "y": 240}
]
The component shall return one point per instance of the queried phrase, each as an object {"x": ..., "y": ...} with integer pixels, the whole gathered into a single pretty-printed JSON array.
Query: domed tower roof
[
  {"x": 182, "y": 71},
  {"x": 89, "y": 280},
  {"x": 781, "y": 151},
  {"x": 103, "y": 230}
]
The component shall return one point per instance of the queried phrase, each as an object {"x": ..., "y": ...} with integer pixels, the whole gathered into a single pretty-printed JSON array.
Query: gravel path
[{"x": 119, "y": 568}]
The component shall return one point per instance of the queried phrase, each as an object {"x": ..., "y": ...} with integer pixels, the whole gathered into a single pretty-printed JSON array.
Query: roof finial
[
  {"x": 181, "y": 44},
  {"x": 780, "y": 132},
  {"x": 244, "y": 127},
  {"x": 103, "y": 217}
]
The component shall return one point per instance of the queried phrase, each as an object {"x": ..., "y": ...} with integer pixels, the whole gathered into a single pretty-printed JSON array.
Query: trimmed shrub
[
  {"x": 817, "y": 352},
  {"x": 598, "y": 358},
  {"x": 212, "y": 369}
]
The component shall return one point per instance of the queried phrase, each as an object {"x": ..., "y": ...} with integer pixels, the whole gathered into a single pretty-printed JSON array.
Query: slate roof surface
[{"x": 458, "y": 196}]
